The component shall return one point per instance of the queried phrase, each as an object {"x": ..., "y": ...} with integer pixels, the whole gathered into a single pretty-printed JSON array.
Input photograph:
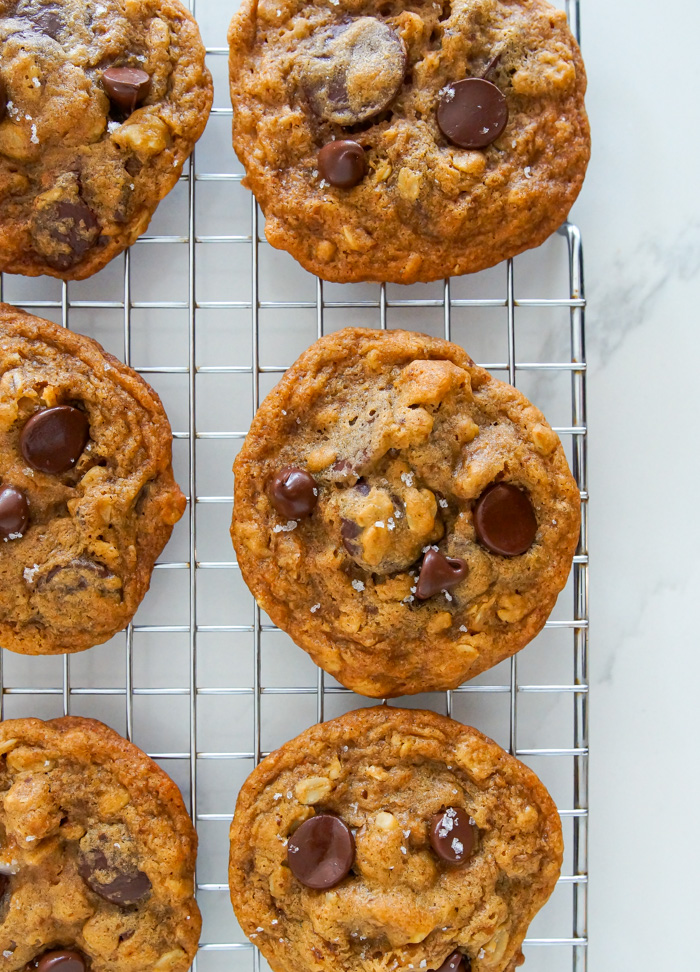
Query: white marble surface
[{"x": 640, "y": 215}]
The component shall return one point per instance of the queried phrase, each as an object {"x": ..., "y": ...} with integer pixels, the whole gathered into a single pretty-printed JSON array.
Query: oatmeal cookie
[
  {"x": 100, "y": 107},
  {"x": 408, "y": 141},
  {"x": 87, "y": 494},
  {"x": 405, "y": 517},
  {"x": 97, "y": 854},
  {"x": 392, "y": 839}
]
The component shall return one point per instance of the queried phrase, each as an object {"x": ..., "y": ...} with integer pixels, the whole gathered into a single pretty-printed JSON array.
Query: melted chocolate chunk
[
  {"x": 49, "y": 22},
  {"x": 472, "y": 113},
  {"x": 293, "y": 493},
  {"x": 61, "y": 960},
  {"x": 354, "y": 71},
  {"x": 53, "y": 440},
  {"x": 3, "y": 100},
  {"x": 77, "y": 227},
  {"x": 76, "y": 575},
  {"x": 4, "y": 882},
  {"x": 439, "y": 573},
  {"x": 112, "y": 877},
  {"x": 505, "y": 520},
  {"x": 456, "y": 962},
  {"x": 14, "y": 512},
  {"x": 342, "y": 163},
  {"x": 321, "y": 852},
  {"x": 452, "y": 835},
  {"x": 126, "y": 87}
]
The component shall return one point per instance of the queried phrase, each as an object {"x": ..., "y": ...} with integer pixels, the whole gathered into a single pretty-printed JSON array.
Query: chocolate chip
[
  {"x": 126, "y": 87},
  {"x": 456, "y": 962},
  {"x": 14, "y": 512},
  {"x": 103, "y": 876},
  {"x": 321, "y": 852},
  {"x": 452, "y": 835},
  {"x": 4, "y": 882},
  {"x": 439, "y": 573},
  {"x": 472, "y": 113},
  {"x": 354, "y": 71},
  {"x": 49, "y": 22},
  {"x": 76, "y": 226},
  {"x": 363, "y": 487},
  {"x": 3, "y": 99},
  {"x": 52, "y": 441},
  {"x": 293, "y": 493},
  {"x": 504, "y": 520},
  {"x": 61, "y": 961},
  {"x": 342, "y": 163}
]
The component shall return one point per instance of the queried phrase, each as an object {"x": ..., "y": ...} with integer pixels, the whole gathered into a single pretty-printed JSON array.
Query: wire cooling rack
[{"x": 211, "y": 315}]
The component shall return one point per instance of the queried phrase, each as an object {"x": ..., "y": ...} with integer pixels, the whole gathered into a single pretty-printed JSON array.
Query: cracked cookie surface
[
  {"x": 86, "y": 446},
  {"x": 412, "y": 467},
  {"x": 97, "y": 852},
  {"x": 83, "y": 161},
  {"x": 423, "y": 206},
  {"x": 385, "y": 774}
]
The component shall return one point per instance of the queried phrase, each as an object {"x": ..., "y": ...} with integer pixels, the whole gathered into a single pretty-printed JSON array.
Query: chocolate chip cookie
[
  {"x": 100, "y": 107},
  {"x": 87, "y": 494},
  {"x": 97, "y": 854},
  {"x": 405, "y": 517},
  {"x": 392, "y": 839},
  {"x": 408, "y": 141}
]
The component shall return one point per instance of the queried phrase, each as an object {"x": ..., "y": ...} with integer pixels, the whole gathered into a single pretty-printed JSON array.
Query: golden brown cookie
[
  {"x": 392, "y": 839},
  {"x": 408, "y": 141},
  {"x": 405, "y": 517},
  {"x": 87, "y": 494},
  {"x": 97, "y": 854},
  {"x": 100, "y": 107}
]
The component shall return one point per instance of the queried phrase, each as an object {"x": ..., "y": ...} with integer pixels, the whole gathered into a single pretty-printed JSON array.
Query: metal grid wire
[{"x": 559, "y": 938}]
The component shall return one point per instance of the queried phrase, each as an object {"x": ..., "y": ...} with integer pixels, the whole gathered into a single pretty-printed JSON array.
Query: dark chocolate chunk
[
  {"x": 4, "y": 883},
  {"x": 49, "y": 22},
  {"x": 472, "y": 113},
  {"x": 14, "y": 512},
  {"x": 452, "y": 835},
  {"x": 293, "y": 493},
  {"x": 439, "y": 573},
  {"x": 3, "y": 99},
  {"x": 321, "y": 852},
  {"x": 126, "y": 87},
  {"x": 354, "y": 71},
  {"x": 62, "y": 960},
  {"x": 52, "y": 441},
  {"x": 77, "y": 227},
  {"x": 342, "y": 163},
  {"x": 114, "y": 879},
  {"x": 76, "y": 575},
  {"x": 505, "y": 520},
  {"x": 456, "y": 962}
]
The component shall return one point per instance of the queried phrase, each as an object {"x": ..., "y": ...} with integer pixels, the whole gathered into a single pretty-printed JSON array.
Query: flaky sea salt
[
  {"x": 289, "y": 526},
  {"x": 315, "y": 608},
  {"x": 358, "y": 585}
]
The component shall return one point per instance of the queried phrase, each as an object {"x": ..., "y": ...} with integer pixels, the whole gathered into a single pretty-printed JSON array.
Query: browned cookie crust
[
  {"x": 75, "y": 573},
  {"x": 385, "y": 772},
  {"x": 97, "y": 852},
  {"x": 403, "y": 434},
  {"x": 81, "y": 173},
  {"x": 305, "y": 73}
]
